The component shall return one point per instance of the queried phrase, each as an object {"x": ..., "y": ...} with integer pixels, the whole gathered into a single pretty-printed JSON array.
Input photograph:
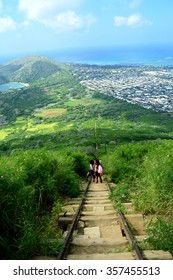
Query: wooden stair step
[
  {"x": 97, "y": 213},
  {"x": 110, "y": 256},
  {"x": 111, "y": 231},
  {"x": 99, "y": 218},
  {"x": 93, "y": 195},
  {"x": 97, "y": 201},
  {"x": 157, "y": 255},
  {"x": 85, "y": 241},
  {"x": 89, "y": 207}
]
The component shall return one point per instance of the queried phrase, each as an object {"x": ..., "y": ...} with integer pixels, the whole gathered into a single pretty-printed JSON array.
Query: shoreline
[{"x": 11, "y": 87}]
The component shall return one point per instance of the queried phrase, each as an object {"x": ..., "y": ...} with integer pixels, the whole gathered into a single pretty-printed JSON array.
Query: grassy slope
[
  {"x": 58, "y": 112},
  {"x": 30, "y": 69}
]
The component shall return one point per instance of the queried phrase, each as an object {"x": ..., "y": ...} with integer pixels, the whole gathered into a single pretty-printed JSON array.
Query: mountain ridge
[{"x": 29, "y": 69}]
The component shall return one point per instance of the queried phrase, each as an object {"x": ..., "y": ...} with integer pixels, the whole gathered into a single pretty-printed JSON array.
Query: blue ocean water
[{"x": 158, "y": 55}]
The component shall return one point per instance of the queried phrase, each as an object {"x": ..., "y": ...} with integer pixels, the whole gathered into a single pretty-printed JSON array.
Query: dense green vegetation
[
  {"x": 48, "y": 133},
  {"x": 3, "y": 79},
  {"x": 34, "y": 184},
  {"x": 29, "y": 69},
  {"x": 143, "y": 174}
]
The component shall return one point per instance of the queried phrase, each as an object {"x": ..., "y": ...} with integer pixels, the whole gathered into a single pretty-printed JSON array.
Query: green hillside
[
  {"x": 3, "y": 79},
  {"x": 48, "y": 133},
  {"x": 29, "y": 69}
]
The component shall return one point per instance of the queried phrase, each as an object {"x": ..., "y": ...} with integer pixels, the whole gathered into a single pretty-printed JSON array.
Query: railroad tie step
[
  {"x": 62, "y": 221},
  {"x": 127, "y": 205},
  {"x": 98, "y": 212},
  {"x": 99, "y": 217},
  {"x": 85, "y": 241},
  {"x": 92, "y": 207},
  {"x": 99, "y": 190},
  {"x": 128, "y": 208},
  {"x": 84, "y": 245},
  {"x": 98, "y": 220},
  {"x": 137, "y": 222},
  {"x": 70, "y": 207},
  {"x": 66, "y": 214},
  {"x": 101, "y": 196},
  {"x": 140, "y": 238},
  {"x": 111, "y": 231},
  {"x": 97, "y": 201},
  {"x": 92, "y": 232},
  {"x": 157, "y": 255},
  {"x": 103, "y": 256}
]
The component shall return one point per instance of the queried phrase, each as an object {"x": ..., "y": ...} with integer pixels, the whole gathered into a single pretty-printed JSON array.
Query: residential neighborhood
[{"x": 148, "y": 86}]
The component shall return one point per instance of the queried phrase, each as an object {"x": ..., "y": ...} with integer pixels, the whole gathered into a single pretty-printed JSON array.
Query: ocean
[
  {"x": 137, "y": 55},
  {"x": 156, "y": 55}
]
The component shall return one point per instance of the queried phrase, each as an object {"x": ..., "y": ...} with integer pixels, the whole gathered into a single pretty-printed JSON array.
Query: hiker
[
  {"x": 98, "y": 171},
  {"x": 91, "y": 170}
]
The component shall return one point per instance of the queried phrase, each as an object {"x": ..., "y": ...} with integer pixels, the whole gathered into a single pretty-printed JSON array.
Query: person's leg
[
  {"x": 97, "y": 177},
  {"x": 92, "y": 175}
]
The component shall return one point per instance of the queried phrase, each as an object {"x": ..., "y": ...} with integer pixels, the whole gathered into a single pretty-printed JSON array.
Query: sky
[{"x": 33, "y": 26}]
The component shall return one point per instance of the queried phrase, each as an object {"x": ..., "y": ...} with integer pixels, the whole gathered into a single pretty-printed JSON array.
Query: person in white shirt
[
  {"x": 91, "y": 170},
  {"x": 98, "y": 171}
]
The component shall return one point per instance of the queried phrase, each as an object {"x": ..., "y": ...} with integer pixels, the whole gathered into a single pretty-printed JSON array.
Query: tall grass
[
  {"x": 155, "y": 183},
  {"x": 143, "y": 173},
  {"x": 30, "y": 184}
]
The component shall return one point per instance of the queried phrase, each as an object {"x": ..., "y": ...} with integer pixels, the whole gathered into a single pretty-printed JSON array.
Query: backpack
[{"x": 100, "y": 169}]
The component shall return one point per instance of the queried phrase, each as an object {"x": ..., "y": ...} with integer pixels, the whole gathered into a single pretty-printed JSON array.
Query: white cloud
[
  {"x": 133, "y": 20},
  {"x": 39, "y": 9},
  {"x": 135, "y": 3},
  {"x": 70, "y": 20},
  {"x": 7, "y": 24},
  {"x": 56, "y": 13},
  {"x": 119, "y": 21}
]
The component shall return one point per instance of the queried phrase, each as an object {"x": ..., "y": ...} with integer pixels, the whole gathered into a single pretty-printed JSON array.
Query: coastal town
[{"x": 148, "y": 86}]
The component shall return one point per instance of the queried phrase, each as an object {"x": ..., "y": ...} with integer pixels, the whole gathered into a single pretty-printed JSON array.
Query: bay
[{"x": 13, "y": 85}]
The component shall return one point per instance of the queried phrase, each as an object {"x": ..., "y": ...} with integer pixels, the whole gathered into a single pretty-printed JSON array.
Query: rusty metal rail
[
  {"x": 128, "y": 233},
  {"x": 129, "y": 236},
  {"x": 63, "y": 252}
]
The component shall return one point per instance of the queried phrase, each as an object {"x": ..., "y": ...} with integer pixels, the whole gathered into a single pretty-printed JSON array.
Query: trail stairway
[{"x": 99, "y": 234}]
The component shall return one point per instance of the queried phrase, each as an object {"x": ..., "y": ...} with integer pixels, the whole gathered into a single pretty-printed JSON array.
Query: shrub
[
  {"x": 143, "y": 173},
  {"x": 161, "y": 235},
  {"x": 81, "y": 163},
  {"x": 30, "y": 183},
  {"x": 156, "y": 180},
  {"x": 126, "y": 160}
]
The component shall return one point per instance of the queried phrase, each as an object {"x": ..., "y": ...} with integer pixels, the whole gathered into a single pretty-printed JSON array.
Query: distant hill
[
  {"x": 3, "y": 79},
  {"x": 29, "y": 69}
]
